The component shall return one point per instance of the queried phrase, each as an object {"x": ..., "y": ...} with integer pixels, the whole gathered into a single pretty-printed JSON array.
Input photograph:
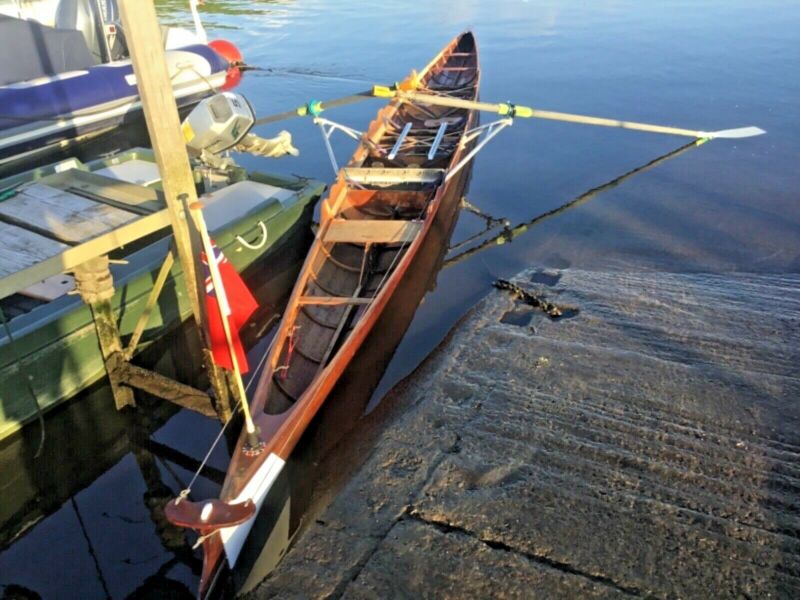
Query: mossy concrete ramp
[{"x": 647, "y": 446}]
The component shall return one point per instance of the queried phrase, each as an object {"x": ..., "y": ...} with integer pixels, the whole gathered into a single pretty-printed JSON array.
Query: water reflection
[
  {"x": 225, "y": 14},
  {"x": 92, "y": 503},
  {"x": 89, "y": 504},
  {"x": 509, "y": 233}
]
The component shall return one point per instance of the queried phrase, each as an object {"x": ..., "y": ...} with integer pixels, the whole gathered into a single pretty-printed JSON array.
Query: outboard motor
[
  {"x": 222, "y": 123},
  {"x": 218, "y": 123}
]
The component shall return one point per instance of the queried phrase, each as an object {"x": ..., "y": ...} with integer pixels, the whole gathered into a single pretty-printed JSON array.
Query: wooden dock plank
[
  {"x": 51, "y": 288},
  {"x": 22, "y": 248},
  {"x": 70, "y": 257},
  {"x": 59, "y": 214},
  {"x": 108, "y": 189},
  {"x": 333, "y": 300}
]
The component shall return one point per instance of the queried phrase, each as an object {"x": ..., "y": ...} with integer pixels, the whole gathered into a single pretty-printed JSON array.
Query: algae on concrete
[{"x": 646, "y": 447}]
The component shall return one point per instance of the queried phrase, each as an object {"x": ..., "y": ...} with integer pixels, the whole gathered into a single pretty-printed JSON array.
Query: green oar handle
[{"x": 314, "y": 107}]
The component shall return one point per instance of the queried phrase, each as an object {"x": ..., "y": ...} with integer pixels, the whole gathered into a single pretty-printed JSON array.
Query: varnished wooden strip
[
  {"x": 339, "y": 263},
  {"x": 280, "y": 383},
  {"x": 333, "y": 300},
  {"x": 315, "y": 318},
  {"x": 367, "y": 176}
]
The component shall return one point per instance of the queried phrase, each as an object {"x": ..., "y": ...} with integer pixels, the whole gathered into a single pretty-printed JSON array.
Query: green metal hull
[
  {"x": 57, "y": 344},
  {"x": 95, "y": 436}
]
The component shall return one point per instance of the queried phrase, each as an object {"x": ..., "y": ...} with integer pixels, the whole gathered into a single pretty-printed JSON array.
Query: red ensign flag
[{"x": 240, "y": 303}]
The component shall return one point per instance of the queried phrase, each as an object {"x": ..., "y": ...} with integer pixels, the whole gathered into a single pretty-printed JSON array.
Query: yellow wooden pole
[
  {"x": 196, "y": 209},
  {"x": 143, "y": 36}
]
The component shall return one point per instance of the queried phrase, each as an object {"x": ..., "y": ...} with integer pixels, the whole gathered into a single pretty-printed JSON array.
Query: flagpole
[{"x": 254, "y": 444}]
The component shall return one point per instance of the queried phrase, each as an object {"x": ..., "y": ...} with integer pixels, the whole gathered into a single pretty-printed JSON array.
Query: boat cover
[{"x": 32, "y": 50}]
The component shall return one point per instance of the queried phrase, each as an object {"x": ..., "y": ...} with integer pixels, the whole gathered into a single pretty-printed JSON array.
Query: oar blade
[{"x": 735, "y": 134}]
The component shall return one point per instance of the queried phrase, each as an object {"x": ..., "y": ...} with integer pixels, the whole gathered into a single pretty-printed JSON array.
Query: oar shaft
[
  {"x": 289, "y": 114},
  {"x": 422, "y": 98},
  {"x": 570, "y": 118},
  {"x": 315, "y": 107},
  {"x": 528, "y": 112},
  {"x": 510, "y": 234},
  {"x": 352, "y": 99}
]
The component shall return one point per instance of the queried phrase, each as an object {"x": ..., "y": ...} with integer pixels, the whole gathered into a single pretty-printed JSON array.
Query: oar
[
  {"x": 527, "y": 112},
  {"x": 315, "y": 107}
]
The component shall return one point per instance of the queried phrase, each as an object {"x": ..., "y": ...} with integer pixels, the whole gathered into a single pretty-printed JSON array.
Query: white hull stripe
[{"x": 233, "y": 538}]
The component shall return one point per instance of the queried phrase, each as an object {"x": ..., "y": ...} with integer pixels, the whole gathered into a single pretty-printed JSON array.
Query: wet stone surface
[{"x": 647, "y": 447}]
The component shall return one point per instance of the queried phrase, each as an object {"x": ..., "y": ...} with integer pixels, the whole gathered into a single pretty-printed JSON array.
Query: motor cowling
[{"x": 218, "y": 123}]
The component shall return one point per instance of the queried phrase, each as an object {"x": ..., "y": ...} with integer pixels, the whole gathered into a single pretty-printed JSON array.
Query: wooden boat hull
[
  {"x": 341, "y": 411},
  {"x": 57, "y": 341},
  {"x": 336, "y": 302}
]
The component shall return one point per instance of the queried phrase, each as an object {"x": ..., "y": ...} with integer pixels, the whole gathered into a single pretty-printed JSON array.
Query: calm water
[{"x": 726, "y": 206}]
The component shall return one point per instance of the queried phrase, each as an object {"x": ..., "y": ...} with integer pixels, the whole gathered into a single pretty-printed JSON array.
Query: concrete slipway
[{"x": 646, "y": 447}]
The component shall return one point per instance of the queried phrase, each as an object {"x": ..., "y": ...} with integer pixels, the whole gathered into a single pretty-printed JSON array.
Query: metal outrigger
[{"x": 488, "y": 131}]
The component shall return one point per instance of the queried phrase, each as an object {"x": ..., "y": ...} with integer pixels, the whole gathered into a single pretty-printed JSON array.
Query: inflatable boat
[{"x": 70, "y": 78}]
